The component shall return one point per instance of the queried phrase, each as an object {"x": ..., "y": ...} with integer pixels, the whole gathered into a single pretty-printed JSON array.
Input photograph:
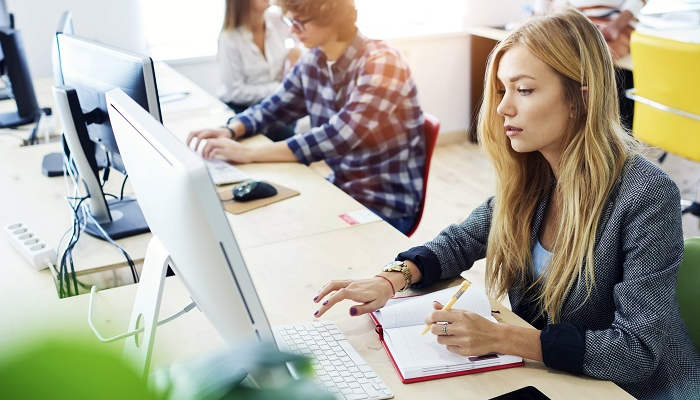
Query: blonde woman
[
  {"x": 252, "y": 56},
  {"x": 584, "y": 234}
]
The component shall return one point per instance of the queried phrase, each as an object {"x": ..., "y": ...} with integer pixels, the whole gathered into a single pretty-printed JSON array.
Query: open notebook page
[
  {"x": 409, "y": 312},
  {"x": 419, "y": 355}
]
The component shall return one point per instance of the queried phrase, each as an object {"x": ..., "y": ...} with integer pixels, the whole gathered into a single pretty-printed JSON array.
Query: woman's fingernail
[
  {"x": 325, "y": 302},
  {"x": 316, "y": 313},
  {"x": 316, "y": 298},
  {"x": 353, "y": 311}
]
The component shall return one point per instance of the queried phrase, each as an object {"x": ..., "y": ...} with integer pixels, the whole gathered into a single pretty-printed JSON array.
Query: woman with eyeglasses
[{"x": 253, "y": 56}]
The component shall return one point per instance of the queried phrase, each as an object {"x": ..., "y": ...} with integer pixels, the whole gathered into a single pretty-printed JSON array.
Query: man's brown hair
[{"x": 339, "y": 13}]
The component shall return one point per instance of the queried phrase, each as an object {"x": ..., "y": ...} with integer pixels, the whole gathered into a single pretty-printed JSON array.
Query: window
[
  {"x": 186, "y": 29},
  {"x": 182, "y": 29},
  {"x": 396, "y": 18}
]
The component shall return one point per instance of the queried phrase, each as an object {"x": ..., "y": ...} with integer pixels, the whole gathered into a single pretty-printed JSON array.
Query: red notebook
[{"x": 419, "y": 357}]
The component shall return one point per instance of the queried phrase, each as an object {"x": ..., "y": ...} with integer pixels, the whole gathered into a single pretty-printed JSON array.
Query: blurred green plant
[
  {"x": 61, "y": 368},
  {"x": 64, "y": 368},
  {"x": 255, "y": 372}
]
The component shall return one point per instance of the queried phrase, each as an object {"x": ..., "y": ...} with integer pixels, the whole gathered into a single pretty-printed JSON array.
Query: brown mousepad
[{"x": 239, "y": 207}]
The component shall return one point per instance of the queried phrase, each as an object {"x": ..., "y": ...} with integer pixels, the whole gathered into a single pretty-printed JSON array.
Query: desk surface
[
  {"x": 41, "y": 199},
  {"x": 288, "y": 264}
]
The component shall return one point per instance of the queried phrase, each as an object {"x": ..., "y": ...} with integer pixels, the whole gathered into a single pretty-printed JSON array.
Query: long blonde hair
[{"x": 595, "y": 151}]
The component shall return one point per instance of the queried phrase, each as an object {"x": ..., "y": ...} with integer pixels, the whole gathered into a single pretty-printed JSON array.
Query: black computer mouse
[{"x": 252, "y": 190}]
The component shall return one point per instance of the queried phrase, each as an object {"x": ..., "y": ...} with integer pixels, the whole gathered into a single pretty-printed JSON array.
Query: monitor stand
[
  {"x": 127, "y": 220},
  {"x": 144, "y": 314},
  {"x": 13, "y": 119},
  {"x": 6, "y": 93},
  {"x": 52, "y": 165}
]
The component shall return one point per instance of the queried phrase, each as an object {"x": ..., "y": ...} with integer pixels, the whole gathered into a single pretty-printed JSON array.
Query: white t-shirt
[
  {"x": 247, "y": 74},
  {"x": 330, "y": 68}
]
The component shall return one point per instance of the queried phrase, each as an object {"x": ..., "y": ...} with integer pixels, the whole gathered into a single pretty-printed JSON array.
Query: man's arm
[{"x": 381, "y": 86}]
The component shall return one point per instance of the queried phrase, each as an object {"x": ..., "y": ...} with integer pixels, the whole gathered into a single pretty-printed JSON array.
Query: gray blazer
[{"x": 634, "y": 334}]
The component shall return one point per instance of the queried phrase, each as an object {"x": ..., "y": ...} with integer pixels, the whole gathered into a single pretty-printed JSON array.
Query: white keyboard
[
  {"x": 223, "y": 173},
  {"x": 337, "y": 365}
]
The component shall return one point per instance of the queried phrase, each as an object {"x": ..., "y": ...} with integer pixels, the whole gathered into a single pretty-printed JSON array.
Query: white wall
[
  {"x": 115, "y": 22},
  {"x": 439, "y": 63}
]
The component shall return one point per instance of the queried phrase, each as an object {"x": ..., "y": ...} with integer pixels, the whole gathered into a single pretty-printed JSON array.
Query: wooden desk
[
  {"x": 287, "y": 275},
  {"x": 288, "y": 265},
  {"x": 42, "y": 199},
  {"x": 315, "y": 210}
]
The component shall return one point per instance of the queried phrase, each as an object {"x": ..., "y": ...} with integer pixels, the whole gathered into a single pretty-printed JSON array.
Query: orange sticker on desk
[{"x": 358, "y": 217}]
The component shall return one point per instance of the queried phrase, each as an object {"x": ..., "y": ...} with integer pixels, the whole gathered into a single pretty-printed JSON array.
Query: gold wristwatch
[{"x": 400, "y": 266}]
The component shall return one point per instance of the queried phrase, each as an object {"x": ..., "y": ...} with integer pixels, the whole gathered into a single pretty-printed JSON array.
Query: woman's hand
[
  {"x": 371, "y": 293},
  {"x": 465, "y": 333},
  {"x": 228, "y": 149}
]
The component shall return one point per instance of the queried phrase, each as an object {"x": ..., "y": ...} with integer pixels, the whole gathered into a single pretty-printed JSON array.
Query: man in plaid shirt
[{"x": 366, "y": 121}]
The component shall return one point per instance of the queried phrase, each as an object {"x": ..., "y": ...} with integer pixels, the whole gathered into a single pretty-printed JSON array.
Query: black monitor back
[
  {"x": 92, "y": 69},
  {"x": 17, "y": 69}
]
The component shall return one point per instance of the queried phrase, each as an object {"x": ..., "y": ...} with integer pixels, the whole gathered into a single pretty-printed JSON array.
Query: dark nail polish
[
  {"x": 325, "y": 302},
  {"x": 316, "y": 313},
  {"x": 315, "y": 298},
  {"x": 353, "y": 311}
]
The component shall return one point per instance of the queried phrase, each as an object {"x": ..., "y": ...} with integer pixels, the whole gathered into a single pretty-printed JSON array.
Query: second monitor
[{"x": 88, "y": 70}]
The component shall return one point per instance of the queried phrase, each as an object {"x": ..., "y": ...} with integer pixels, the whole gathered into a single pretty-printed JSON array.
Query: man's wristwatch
[
  {"x": 230, "y": 131},
  {"x": 400, "y": 266}
]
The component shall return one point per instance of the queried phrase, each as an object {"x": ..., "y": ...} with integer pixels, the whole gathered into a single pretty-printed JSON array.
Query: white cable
[{"x": 93, "y": 290}]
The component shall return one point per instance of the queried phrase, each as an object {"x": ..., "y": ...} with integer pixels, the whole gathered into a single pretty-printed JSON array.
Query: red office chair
[{"x": 431, "y": 128}]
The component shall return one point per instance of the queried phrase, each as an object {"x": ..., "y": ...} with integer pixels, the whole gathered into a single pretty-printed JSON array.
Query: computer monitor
[
  {"x": 89, "y": 69},
  {"x": 15, "y": 71},
  {"x": 5, "y": 16},
  {"x": 181, "y": 205},
  {"x": 6, "y": 21},
  {"x": 52, "y": 163},
  {"x": 65, "y": 26}
]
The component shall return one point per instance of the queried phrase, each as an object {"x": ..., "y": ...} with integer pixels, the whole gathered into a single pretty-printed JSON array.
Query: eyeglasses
[{"x": 297, "y": 23}]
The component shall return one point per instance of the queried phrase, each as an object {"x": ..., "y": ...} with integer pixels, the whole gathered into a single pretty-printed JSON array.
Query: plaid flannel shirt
[{"x": 366, "y": 123}]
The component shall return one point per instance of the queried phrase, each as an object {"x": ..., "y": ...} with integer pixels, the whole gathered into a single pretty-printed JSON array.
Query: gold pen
[{"x": 448, "y": 306}]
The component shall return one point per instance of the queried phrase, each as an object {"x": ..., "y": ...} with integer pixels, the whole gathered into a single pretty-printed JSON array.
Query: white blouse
[{"x": 249, "y": 76}]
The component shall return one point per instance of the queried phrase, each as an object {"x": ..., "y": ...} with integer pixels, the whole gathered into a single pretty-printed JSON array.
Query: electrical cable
[
  {"x": 93, "y": 290},
  {"x": 66, "y": 270},
  {"x": 65, "y": 260},
  {"x": 106, "y": 236},
  {"x": 121, "y": 192},
  {"x": 105, "y": 172}
]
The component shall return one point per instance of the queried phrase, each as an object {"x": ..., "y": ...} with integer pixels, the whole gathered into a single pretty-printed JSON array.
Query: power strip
[{"x": 35, "y": 250}]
